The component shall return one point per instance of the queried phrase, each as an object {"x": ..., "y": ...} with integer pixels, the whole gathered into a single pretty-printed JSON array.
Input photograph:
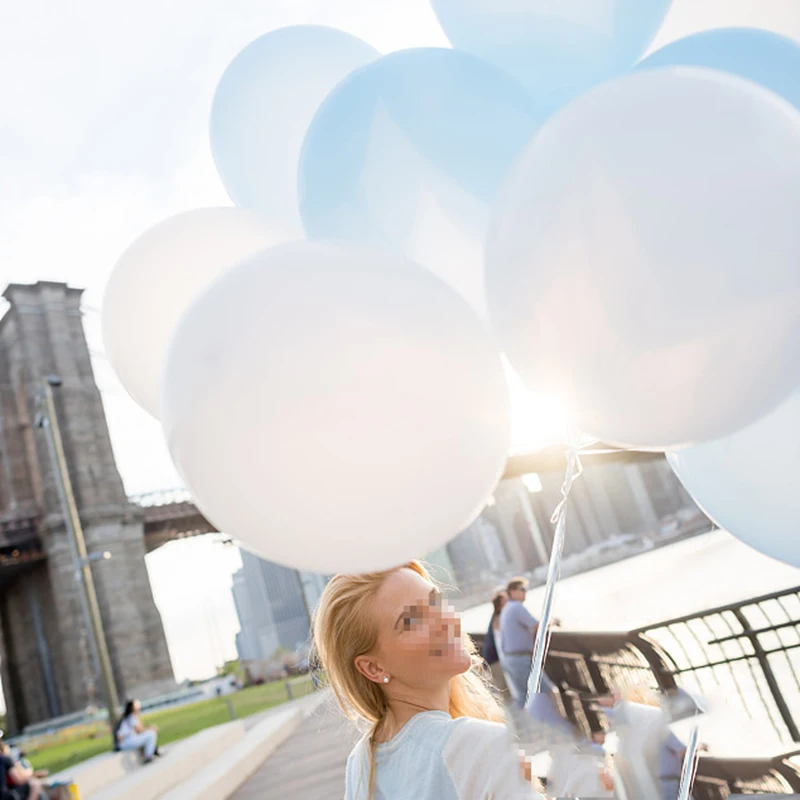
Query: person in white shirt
[
  {"x": 396, "y": 660},
  {"x": 131, "y": 734}
]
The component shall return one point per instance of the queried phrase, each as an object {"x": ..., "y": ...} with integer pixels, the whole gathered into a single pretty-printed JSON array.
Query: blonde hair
[{"x": 344, "y": 629}]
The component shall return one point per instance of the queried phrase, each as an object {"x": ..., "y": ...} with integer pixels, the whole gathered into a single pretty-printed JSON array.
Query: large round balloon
[
  {"x": 157, "y": 278},
  {"x": 643, "y": 260},
  {"x": 409, "y": 153},
  {"x": 758, "y": 55},
  {"x": 263, "y": 105},
  {"x": 749, "y": 483},
  {"x": 335, "y": 408},
  {"x": 557, "y": 48}
]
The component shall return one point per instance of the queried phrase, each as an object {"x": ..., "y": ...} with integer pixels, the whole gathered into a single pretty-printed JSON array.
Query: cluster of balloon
[
  {"x": 749, "y": 482},
  {"x": 325, "y": 357},
  {"x": 648, "y": 273}
]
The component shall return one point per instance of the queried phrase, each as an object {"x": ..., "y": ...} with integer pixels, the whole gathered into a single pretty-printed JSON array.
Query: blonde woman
[{"x": 396, "y": 660}]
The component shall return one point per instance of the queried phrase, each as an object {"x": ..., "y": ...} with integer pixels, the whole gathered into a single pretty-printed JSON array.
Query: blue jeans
[
  {"x": 146, "y": 740},
  {"x": 542, "y": 713},
  {"x": 517, "y": 669}
]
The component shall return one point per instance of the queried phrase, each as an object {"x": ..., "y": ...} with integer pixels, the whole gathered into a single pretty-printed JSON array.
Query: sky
[{"x": 103, "y": 133}]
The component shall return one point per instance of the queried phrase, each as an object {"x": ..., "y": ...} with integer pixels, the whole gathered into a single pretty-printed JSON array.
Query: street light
[
  {"x": 48, "y": 420},
  {"x": 92, "y": 558}
]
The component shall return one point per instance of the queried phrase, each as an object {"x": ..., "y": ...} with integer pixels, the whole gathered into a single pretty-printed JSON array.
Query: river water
[{"x": 713, "y": 569}]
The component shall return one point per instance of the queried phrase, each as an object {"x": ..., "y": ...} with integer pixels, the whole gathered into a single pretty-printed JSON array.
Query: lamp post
[{"x": 66, "y": 496}]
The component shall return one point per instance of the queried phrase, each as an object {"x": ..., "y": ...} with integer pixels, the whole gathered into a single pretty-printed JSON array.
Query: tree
[{"x": 230, "y": 668}]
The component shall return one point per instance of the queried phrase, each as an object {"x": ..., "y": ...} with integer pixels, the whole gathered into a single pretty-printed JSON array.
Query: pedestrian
[
  {"x": 492, "y": 651},
  {"x": 396, "y": 660},
  {"x": 518, "y": 629},
  {"x": 537, "y": 719}
]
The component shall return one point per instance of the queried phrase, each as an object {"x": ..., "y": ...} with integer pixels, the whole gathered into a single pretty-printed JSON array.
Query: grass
[{"x": 173, "y": 723}]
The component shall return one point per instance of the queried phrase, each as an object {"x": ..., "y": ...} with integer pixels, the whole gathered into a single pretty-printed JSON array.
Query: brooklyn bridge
[{"x": 44, "y": 643}]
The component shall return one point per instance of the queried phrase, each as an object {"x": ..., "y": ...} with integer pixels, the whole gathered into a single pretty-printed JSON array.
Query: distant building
[
  {"x": 313, "y": 586},
  {"x": 273, "y": 604},
  {"x": 247, "y": 645},
  {"x": 515, "y": 534},
  {"x": 478, "y": 555}
]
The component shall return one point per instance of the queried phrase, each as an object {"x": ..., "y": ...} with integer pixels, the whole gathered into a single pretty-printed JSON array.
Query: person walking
[
  {"x": 492, "y": 651},
  {"x": 518, "y": 629}
]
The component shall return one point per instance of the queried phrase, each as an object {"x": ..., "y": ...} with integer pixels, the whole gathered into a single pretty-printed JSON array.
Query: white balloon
[
  {"x": 749, "y": 483},
  {"x": 157, "y": 278},
  {"x": 335, "y": 408},
  {"x": 644, "y": 260}
]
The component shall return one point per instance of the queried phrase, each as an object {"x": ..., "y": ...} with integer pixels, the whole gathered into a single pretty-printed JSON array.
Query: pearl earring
[{"x": 386, "y": 679}]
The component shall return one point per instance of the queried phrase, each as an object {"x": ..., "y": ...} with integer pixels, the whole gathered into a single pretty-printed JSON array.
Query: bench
[
  {"x": 96, "y": 773},
  {"x": 184, "y": 759}
]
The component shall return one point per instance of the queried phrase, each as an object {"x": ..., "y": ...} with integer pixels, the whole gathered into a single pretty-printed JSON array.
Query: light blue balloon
[
  {"x": 557, "y": 48},
  {"x": 262, "y": 107},
  {"x": 409, "y": 153},
  {"x": 758, "y": 55},
  {"x": 749, "y": 483}
]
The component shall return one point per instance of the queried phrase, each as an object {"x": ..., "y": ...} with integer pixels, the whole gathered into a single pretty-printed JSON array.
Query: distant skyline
[{"x": 103, "y": 132}]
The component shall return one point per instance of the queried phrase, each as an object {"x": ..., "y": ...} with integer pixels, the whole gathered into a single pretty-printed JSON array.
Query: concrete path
[{"x": 310, "y": 765}]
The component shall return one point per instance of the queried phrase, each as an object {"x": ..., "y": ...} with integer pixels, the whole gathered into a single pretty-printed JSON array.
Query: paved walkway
[{"x": 310, "y": 765}]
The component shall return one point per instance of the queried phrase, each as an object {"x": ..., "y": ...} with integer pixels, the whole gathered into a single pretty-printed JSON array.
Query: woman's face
[
  {"x": 419, "y": 640},
  {"x": 137, "y": 706}
]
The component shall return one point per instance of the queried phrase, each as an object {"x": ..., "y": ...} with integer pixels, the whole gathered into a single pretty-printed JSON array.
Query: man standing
[
  {"x": 517, "y": 634},
  {"x": 518, "y": 630}
]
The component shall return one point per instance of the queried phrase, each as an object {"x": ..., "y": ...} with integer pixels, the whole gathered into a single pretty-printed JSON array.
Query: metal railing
[{"x": 748, "y": 650}]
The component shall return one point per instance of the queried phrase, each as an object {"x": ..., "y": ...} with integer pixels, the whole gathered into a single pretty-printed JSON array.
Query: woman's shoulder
[
  {"x": 357, "y": 771},
  {"x": 480, "y": 729},
  {"x": 483, "y": 759},
  {"x": 448, "y": 731},
  {"x": 360, "y": 750},
  {"x": 486, "y": 741}
]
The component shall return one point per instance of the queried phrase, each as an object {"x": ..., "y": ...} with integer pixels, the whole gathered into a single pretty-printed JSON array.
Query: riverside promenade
[
  {"x": 639, "y": 595},
  {"x": 310, "y": 764}
]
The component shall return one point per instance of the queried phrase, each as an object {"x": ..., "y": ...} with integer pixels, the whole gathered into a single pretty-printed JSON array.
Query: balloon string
[
  {"x": 689, "y": 769},
  {"x": 577, "y": 442}
]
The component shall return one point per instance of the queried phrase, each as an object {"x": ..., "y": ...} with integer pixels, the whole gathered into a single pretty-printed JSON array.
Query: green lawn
[{"x": 175, "y": 723}]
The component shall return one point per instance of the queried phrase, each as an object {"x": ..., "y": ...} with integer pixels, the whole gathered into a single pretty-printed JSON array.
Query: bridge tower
[{"x": 47, "y": 663}]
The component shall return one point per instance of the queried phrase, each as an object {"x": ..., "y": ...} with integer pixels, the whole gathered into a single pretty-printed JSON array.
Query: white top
[
  {"x": 126, "y": 728},
  {"x": 436, "y": 757}
]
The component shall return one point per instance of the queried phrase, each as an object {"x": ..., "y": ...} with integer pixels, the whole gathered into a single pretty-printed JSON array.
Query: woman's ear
[{"x": 369, "y": 668}]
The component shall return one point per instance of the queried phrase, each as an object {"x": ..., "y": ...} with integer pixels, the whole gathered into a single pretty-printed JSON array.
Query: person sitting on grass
[{"x": 131, "y": 734}]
